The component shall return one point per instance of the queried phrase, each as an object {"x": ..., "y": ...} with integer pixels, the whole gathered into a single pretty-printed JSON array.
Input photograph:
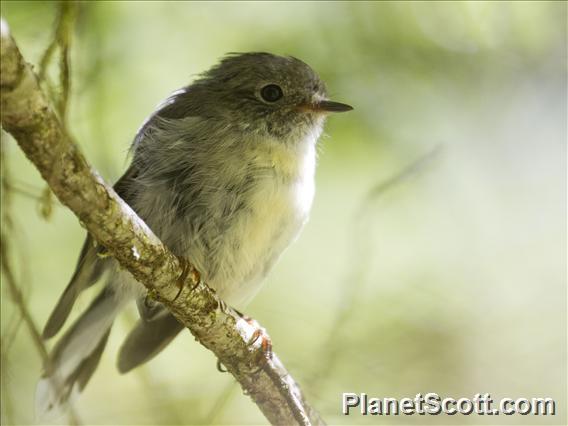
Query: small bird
[{"x": 223, "y": 173}]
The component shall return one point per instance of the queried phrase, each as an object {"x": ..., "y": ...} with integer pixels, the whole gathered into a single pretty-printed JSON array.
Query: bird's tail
[{"x": 77, "y": 354}]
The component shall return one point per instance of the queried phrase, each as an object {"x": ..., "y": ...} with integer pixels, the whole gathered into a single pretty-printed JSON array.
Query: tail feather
[
  {"x": 90, "y": 364},
  {"x": 89, "y": 269},
  {"x": 147, "y": 339},
  {"x": 77, "y": 354}
]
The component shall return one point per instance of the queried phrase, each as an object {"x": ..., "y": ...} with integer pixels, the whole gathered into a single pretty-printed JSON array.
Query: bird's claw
[
  {"x": 220, "y": 367},
  {"x": 265, "y": 341},
  {"x": 186, "y": 270},
  {"x": 265, "y": 344}
]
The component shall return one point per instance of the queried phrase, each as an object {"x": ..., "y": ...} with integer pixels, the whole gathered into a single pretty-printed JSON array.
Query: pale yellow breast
[{"x": 275, "y": 214}]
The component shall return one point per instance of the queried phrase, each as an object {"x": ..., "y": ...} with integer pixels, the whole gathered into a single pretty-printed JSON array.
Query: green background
[{"x": 451, "y": 280}]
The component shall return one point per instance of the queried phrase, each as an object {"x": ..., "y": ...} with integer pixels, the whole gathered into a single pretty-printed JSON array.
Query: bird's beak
[
  {"x": 330, "y": 106},
  {"x": 325, "y": 106}
]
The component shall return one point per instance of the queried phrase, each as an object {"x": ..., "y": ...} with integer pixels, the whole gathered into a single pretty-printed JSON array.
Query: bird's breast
[{"x": 271, "y": 214}]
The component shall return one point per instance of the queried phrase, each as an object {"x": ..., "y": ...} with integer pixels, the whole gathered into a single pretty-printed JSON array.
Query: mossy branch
[{"x": 28, "y": 116}]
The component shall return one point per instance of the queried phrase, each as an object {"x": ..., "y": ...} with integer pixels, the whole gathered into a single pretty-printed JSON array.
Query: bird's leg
[
  {"x": 186, "y": 269},
  {"x": 259, "y": 333},
  {"x": 148, "y": 306}
]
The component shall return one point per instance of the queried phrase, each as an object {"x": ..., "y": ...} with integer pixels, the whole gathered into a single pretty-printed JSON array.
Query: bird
[{"x": 223, "y": 173}]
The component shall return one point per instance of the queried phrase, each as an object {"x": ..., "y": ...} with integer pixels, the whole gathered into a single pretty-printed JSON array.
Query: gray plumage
[
  {"x": 89, "y": 269},
  {"x": 146, "y": 340},
  {"x": 223, "y": 174}
]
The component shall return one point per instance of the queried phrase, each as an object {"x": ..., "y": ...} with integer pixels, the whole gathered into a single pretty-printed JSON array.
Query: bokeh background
[{"x": 435, "y": 257}]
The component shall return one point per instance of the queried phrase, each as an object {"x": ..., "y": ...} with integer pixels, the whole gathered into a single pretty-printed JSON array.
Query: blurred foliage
[{"x": 452, "y": 280}]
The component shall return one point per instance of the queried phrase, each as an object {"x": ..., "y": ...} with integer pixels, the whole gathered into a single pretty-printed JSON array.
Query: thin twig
[
  {"x": 19, "y": 301},
  {"x": 355, "y": 277},
  {"x": 45, "y": 58},
  {"x": 22, "y": 191},
  {"x": 407, "y": 172},
  {"x": 16, "y": 295},
  {"x": 65, "y": 21},
  {"x": 11, "y": 330},
  {"x": 65, "y": 30},
  {"x": 67, "y": 12}
]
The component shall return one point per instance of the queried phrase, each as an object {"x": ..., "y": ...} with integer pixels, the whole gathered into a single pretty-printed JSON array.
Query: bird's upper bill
[{"x": 324, "y": 106}]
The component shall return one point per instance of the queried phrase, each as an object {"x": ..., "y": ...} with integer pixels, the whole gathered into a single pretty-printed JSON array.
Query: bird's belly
[{"x": 269, "y": 221}]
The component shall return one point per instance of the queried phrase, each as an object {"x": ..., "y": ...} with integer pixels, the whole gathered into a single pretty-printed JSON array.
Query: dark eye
[{"x": 271, "y": 93}]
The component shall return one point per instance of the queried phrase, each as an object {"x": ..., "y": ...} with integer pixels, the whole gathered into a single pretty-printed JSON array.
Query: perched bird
[{"x": 223, "y": 174}]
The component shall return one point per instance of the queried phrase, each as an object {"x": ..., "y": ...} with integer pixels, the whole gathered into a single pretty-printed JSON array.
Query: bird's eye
[{"x": 271, "y": 93}]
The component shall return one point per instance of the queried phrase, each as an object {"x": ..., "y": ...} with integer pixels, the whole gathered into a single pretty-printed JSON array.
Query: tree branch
[{"x": 28, "y": 116}]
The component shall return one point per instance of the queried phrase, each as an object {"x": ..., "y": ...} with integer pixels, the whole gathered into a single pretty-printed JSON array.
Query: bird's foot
[
  {"x": 259, "y": 334},
  {"x": 265, "y": 343},
  {"x": 186, "y": 270}
]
